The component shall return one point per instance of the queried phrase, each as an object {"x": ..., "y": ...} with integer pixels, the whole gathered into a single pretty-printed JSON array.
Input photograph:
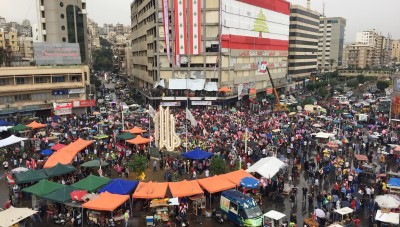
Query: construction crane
[{"x": 279, "y": 106}]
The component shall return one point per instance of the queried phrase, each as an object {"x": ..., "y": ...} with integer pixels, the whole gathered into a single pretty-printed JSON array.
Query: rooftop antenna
[
  {"x": 323, "y": 9},
  {"x": 309, "y": 4}
]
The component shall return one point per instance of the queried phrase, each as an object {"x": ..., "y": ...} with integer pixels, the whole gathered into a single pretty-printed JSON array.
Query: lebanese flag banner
[
  {"x": 180, "y": 27},
  {"x": 195, "y": 26},
  {"x": 166, "y": 28},
  {"x": 269, "y": 91},
  {"x": 255, "y": 24}
]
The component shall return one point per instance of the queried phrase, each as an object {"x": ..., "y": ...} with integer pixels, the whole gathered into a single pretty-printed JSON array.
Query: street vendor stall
[
  {"x": 14, "y": 215},
  {"x": 215, "y": 184},
  {"x": 387, "y": 217},
  {"x": 273, "y": 218},
  {"x": 394, "y": 186},
  {"x": 344, "y": 212},
  {"x": 310, "y": 222}
]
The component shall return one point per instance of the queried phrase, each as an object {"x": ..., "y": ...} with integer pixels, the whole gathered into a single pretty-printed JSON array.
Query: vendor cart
[
  {"x": 273, "y": 219},
  {"x": 310, "y": 222},
  {"x": 389, "y": 218}
]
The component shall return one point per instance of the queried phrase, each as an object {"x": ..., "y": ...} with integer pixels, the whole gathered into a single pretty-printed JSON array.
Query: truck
[{"x": 241, "y": 209}]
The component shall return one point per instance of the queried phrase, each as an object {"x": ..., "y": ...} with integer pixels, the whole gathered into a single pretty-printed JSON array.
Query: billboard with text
[{"x": 57, "y": 53}]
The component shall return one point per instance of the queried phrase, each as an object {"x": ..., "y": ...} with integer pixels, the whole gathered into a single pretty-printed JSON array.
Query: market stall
[
  {"x": 266, "y": 167},
  {"x": 91, "y": 183},
  {"x": 393, "y": 185},
  {"x": 14, "y": 215},
  {"x": 185, "y": 188},
  {"x": 236, "y": 176},
  {"x": 345, "y": 213},
  {"x": 310, "y": 222},
  {"x": 387, "y": 217},
  {"x": 104, "y": 203},
  {"x": 215, "y": 184},
  {"x": 273, "y": 218}
]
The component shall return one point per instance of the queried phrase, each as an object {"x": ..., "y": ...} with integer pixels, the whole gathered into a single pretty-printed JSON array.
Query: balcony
[{"x": 39, "y": 87}]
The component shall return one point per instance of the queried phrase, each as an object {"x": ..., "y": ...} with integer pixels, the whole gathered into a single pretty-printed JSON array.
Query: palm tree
[{"x": 331, "y": 61}]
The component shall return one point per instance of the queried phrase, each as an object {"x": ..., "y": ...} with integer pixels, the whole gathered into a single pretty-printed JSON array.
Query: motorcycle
[{"x": 218, "y": 216}]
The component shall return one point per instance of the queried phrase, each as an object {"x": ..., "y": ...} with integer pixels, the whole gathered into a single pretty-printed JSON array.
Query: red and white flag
[
  {"x": 180, "y": 27},
  {"x": 195, "y": 26}
]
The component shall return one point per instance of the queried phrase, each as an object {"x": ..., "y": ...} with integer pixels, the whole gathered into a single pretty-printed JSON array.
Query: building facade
[
  {"x": 303, "y": 41},
  {"x": 228, "y": 42},
  {"x": 359, "y": 56},
  {"x": 395, "y": 54},
  {"x": 369, "y": 38},
  {"x": 26, "y": 47},
  {"x": 37, "y": 90},
  {"x": 331, "y": 43},
  {"x": 64, "y": 22},
  {"x": 9, "y": 40}
]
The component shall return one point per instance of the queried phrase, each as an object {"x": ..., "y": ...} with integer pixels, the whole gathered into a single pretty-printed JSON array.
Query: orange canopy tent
[
  {"x": 185, "y": 188},
  {"x": 36, "y": 125},
  {"x": 224, "y": 89},
  {"x": 136, "y": 130},
  {"x": 236, "y": 176},
  {"x": 66, "y": 154},
  {"x": 150, "y": 190},
  {"x": 138, "y": 140},
  {"x": 106, "y": 201},
  {"x": 216, "y": 184}
]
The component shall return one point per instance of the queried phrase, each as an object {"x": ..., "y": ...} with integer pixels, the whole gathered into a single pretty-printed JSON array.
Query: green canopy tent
[
  {"x": 126, "y": 136},
  {"x": 91, "y": 183},
  {"x": 94, "y": 163},
  {"x": 100, "y": 137},
  {"x": 61, "y": 195},
  {"x": 59, "y": 170},
  {"x": 30, "y": 176},
  {"x": 18, "y": 128},
  {"x": 42, "y": 188}
]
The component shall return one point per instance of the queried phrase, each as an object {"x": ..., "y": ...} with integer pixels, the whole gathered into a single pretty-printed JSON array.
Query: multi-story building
[
  {"x": 40, "y": 90},
  {"x": 232, "y": 48},
  {"x": 64, "y": 22},
  {"x": 3, "y": 22},
  {"x": 119, "y": 29},
  {"x": 369, "y": 38},
  {"x": 383, "y": 50},
  {"x": 26, "y": 47},
  {"x": 359, "y": 56},
  {"x": 9, "y": 40},
  {"x": 93, "y": 31},
  {"x": 395, "y": 55},
  {"x": 331, "y": 43},
  {"x": 303, "y": 41}
]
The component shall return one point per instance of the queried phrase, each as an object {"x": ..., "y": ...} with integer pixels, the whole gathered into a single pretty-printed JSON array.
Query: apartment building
[
  {"x": 303, "y": 41},
  {"x": 229, "y": 42},
  {"x": 42, "y": 90},
  {"x": 26, "y": 47},
  {"x": 359, "y": 56},
  {"x": 9, "y": 40},
  {"x": 64, "y": 22},
  {"x": 395, "y": 54},
  {"x": 331, "y": 43}
]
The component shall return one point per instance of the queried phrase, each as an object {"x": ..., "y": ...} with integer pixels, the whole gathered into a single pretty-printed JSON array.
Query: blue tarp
[
  {"x": 197, "y": 154},
  {"x": 5, "y": 123},
  {"x": 394, "y": 182},
  {"x": 119, "y": 186},
  {"x": 249, "y": 182},
  {"x": 47, "y": 152},
  {"x": 358, "y": 170}
]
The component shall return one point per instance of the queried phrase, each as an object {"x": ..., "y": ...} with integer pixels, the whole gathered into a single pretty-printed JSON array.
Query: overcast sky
[{"x": 361, "y": 15}]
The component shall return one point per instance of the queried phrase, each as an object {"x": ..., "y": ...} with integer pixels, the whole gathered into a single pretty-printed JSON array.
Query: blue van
[{"x": 240, "y": 209}]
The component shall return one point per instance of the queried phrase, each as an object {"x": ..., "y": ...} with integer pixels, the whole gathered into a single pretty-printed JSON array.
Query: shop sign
[
  {"x": 66, "y": 105},
  {"x": 170, "y": 103},
  {"x": 84, "y": 103},
  {"x": 76, "y": 91},
  {"x": 201, "y": 103},
  {"x": 64, "y": 111}
]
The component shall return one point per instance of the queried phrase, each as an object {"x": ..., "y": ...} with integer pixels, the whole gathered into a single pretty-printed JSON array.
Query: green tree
[
  {"x": 361, "y": 79},
  {"x": 138, "y": 164},
  {"x": 382, "y": 84},
  {"x": 260, "y": 24},
  {"x": 331, "y": 61},
  {"x": 217, "y": 166},
  {"x": 2, "y": 55}
]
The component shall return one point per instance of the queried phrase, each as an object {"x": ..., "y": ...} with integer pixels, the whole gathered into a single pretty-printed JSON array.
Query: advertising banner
[
  {"x": 60, "y": 92},
  {"x": 201, "y": 103},
  {"x": 56, "y": 53},
  {"x": 170, "y": 103},
  {"x": 76, "y": 91},
  {"x": 84, "y": 103},
  {"x": 65, "y": 105},
  {"x": 64, "y": 111}
]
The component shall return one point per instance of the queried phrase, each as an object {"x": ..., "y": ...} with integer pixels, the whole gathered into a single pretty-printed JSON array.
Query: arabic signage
[
  {"x": 260, "y": 66},
  {"x": 60, "y": 92},
  {"x": 56, "y": 53},
  {"x": 259, "y": 53},
  {"x": 84, "y": 103},
  {"x": 170, "y": 103},
  {"x": 76, "y": 91},
  {"x": 224, "y": 204},
  {"x": 201, "y": 103},
  {"x": 64, "y": 111},
  {"x": 65, "y": 105}
]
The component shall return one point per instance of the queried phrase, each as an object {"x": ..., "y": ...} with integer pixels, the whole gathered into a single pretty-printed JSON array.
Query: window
[
  {"x": 40, "y": 80},
  {"x": 20, "y": 80},
  {"x": 3, "y": 82},
  {"x": 6, "y": 99},
  {"x": 41, "y": 96},
  {"x": 61, "y": 4},
  {"x": 63, "y": 27},
  {"x": 24, "y": 97},
  {"x": 64, "y": 39},
  {"x": 58, "y": 79},
  {"x": 62, "y": 16}
]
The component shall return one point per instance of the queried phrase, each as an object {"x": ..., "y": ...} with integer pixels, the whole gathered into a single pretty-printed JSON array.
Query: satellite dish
[{"x": 299, "y": 108}]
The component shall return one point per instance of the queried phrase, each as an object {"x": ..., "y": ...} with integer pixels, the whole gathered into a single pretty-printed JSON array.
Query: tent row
[{"x": 40, "y": 174}]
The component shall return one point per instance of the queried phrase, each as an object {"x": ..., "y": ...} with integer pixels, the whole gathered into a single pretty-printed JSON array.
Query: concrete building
[
  {"x": 303, "y": 41},
  {"x": 359, "y": 56},
  {"x": 331, "y": 43},
  {"x": 30, "y": 91},
  {"x": 9, "y": 40},
  {"x": 396, "y": 50},
  {"x": 383, "y": 50},
  {"x": 220, "y": 50},
  {"x": 26, "y": 47},
  {"x": 64, "y": 22},
  {"x": 369, "y": 38},
  {"x": 119, "y": 29}
]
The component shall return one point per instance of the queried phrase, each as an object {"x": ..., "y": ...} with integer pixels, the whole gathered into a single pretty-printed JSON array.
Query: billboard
[
  {"x": 255, "y": 24},
  {"x": 56, "y": 53}
]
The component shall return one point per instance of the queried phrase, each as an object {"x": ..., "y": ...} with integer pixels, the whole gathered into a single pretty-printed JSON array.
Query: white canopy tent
[
  {"x": 183, "y": 84},
  {"x": 273, "y": 214},
  {"x": 4, "y": 128},
  {"x": 266, "y": 167},
  {"x": 391, "y": 218},
  {"x": 387, "y": 201},
  {"x": 14, "y": 215},
  {"x": 344, "y": 210},
  {"x": 11, "y": 140}
]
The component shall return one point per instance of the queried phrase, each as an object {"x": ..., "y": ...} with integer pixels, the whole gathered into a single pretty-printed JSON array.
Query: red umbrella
[
  {"x": 78, "y": 194},
  {"x": 58, "y": 146}
]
